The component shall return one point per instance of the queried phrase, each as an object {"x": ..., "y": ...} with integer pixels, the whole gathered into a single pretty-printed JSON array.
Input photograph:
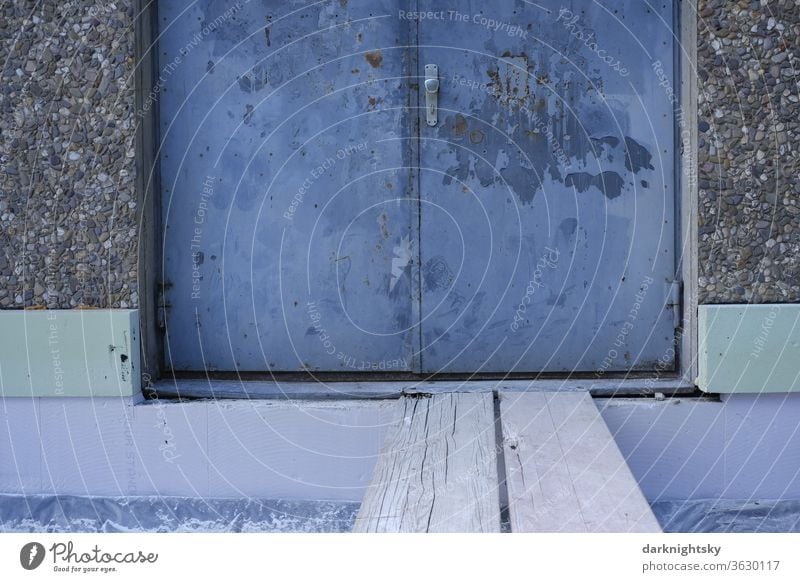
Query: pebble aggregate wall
[
  {"x": 68, "y": 221},
  {"x": 67, "y": 200},
  {"x": 749, "y": 170}
]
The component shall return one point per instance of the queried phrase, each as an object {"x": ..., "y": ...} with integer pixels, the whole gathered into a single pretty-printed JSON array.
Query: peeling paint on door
[{"x": 608, "y": 183}]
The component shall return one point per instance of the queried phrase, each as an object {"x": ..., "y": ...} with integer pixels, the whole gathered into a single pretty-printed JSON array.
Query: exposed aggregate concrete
[{"x": 749, "y": 171}]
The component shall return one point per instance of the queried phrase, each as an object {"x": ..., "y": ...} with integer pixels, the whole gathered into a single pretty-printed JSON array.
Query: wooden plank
[
  {"x": 564, "y": 471},
  {"x": 540, "y": 493},
  {"x": 437, "y": 471}
]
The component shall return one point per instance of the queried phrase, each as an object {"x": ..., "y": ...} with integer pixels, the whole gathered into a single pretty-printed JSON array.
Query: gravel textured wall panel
[
  {"x": 749, "y": 114},
  {"x": 67, "y": 201}
]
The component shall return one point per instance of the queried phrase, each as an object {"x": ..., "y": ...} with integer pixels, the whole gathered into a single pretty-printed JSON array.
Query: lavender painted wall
[{"x": 746, "y": 447}]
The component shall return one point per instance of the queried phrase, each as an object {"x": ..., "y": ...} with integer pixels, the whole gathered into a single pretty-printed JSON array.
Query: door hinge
[
  {"x": 674, "y": 293},
  {"x": 162, "y": 305}
]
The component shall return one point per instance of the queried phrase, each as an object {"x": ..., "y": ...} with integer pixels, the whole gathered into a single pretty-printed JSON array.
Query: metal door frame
[{"x": 149, "y": 214}]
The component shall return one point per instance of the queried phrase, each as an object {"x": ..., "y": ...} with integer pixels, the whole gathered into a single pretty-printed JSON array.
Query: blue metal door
[
  {"x": 314, "y": 221},
  {"x": 547, "y": 233},
  {"x": 288, "y": 195}
]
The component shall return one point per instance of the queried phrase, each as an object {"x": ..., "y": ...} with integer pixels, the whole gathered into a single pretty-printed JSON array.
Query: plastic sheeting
[
  {"x": 728, "y": 516},
  {"x": 171, "y": 514},
  {"x": 178, "y": 514}
]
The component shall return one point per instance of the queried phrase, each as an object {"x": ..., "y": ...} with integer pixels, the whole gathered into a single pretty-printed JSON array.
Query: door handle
[{"x": 431, "y": 93}]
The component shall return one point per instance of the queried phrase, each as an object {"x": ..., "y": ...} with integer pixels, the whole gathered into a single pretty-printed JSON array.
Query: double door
[{"x": 325, "y": 208}]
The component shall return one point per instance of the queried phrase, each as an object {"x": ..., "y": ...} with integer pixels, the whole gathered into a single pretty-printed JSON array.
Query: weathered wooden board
[
  {"x": 563, "y": 469},
  {"x": 437, "y": 471}
]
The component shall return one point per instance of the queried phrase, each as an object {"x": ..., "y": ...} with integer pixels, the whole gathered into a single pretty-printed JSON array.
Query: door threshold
[{"x": 228, "y": 388}]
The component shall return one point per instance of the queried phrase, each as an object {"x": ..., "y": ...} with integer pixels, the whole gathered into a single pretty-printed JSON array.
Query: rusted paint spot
[
  {"x": 460, "y": 127},
  {"x": 494, "y": 76},
  {"x": 476, "y": 136},
  {"x": 371, "y": 101},
  {"x": 509, "y": 81},
  {"x": 374, "y": 58},
  {"x": 382, "y": 220}
]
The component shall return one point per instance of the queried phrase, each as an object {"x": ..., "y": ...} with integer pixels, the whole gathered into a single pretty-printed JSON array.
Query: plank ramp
[
  {"x": 437, "y": 471},
  {"x": 564, "y": 472}
]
